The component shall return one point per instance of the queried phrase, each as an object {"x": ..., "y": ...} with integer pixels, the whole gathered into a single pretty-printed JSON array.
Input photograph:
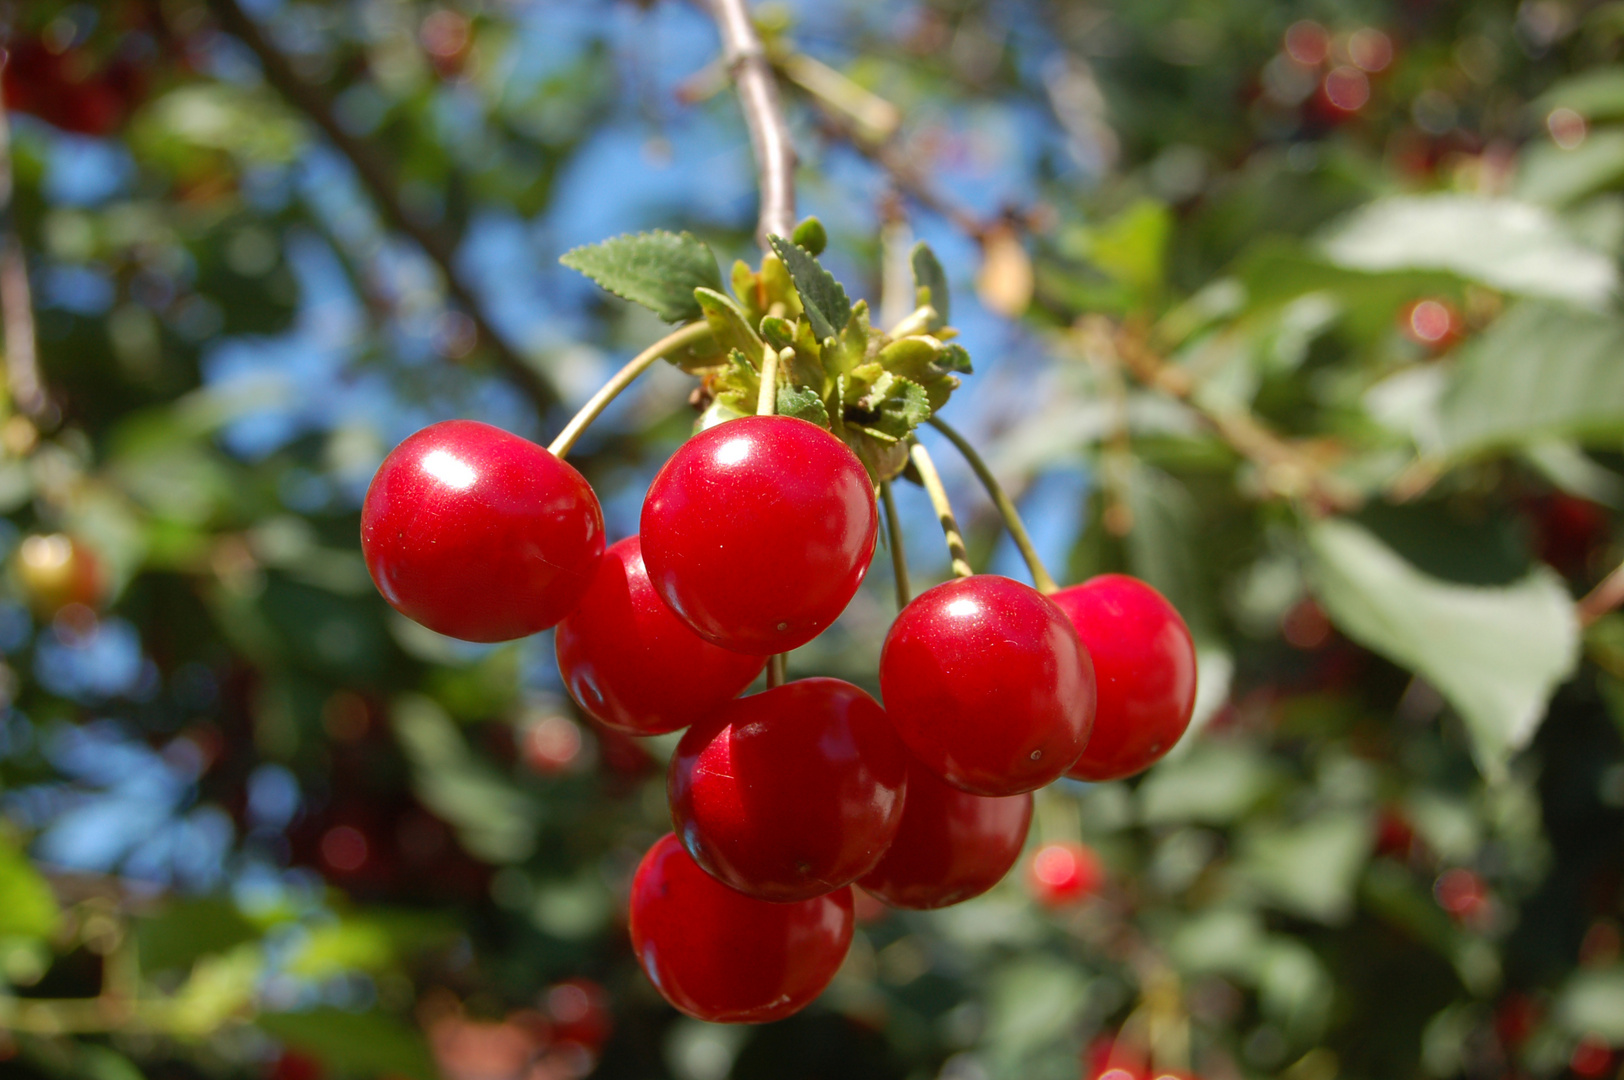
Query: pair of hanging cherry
[{"x": 753, "y": 539}]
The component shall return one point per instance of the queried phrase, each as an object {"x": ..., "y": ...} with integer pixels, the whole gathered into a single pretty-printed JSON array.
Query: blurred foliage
[{"x": 1306, "y": 313}]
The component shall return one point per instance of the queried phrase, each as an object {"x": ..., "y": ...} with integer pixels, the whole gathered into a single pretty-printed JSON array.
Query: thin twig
[
  {"x": 16, "y": 302},
  {"x": 1605, "y": 597},
  {"x": 1006, "y": 507},
  {"x": 679, "y": 339},
  {"x": 1286, "y": 469},
  {"x": 378, "y": 177},
  {"x": 764, "y": 115},
  {"x": 893, "y": 537},
  {"x": 944, "y": 510},
  {"x": 869, "y": 123}
]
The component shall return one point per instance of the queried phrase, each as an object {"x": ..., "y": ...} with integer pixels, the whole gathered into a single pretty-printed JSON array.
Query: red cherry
[
  {"x": 988, "y": 684},
  {"x": 791, "y": 793},
  {"x": 479, "y": 534},
  {"x": 721, "y": 956},
  {"x": 758, "y": 531},
  {"x": 951, "y": 846},
  {"x": 632, "y": 664},
  {"x": 1144, "y": 661},
  {"x": 1062, "y": 874}
]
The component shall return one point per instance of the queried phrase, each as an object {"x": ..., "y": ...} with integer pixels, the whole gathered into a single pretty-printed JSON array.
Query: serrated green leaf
[
  {"x": 901, "y": 405},
  {"x": 1541, "y": 371},
  {"x": 803, "y": 403},
  {"x": 728, "y": 322},
  {"x": 659, "y": 270},
  {"x": 1496, "y": 654},
  {"x": 822, "y": 297},
  {"x": 930, "y": 282}
]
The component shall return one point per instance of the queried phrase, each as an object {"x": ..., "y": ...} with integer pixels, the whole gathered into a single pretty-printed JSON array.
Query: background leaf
[
  {"x": 1540, "y": 372},
  {"x": 1510, "y": 245},
  {"x": 1496, "y": 654}
]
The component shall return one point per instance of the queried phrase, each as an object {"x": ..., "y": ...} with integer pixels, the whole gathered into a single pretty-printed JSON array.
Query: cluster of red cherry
[{"x": 754, "y": 537}]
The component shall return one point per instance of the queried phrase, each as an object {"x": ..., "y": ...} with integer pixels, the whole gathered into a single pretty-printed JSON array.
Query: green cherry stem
[
  {"x": 944, "y": 509},
  {"x": 767, "y": 405},
  {"x": 1006, "y": 507},
  {"x": 767, "y": 398},
  {"x": 678, "y": 339},
  {"x": 893, "y": 537}
]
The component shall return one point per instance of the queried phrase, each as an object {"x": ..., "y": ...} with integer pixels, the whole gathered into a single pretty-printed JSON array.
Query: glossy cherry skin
[
  {"x": 632, "y": 664},
  {"x": 758, "y": 532},
  {"x": 988, "y": 685},
  {"x": 790, "y": 793},
  {"x": 479, "y": 534},
  {"x": 952, "y": 845},
  {"x": 1061, "y": 874},
  {"x": 721, "y": 956},
  {"x": 1144, "y": 667}
]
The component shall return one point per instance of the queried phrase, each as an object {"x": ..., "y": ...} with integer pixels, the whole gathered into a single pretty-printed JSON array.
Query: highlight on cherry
[{"x": 754, "y": 538}]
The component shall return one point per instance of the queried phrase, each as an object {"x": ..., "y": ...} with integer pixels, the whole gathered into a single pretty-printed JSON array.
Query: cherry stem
[
  {"x": 944, "y": 509},
  {"x": 679, "y": 339},
  {"x": 1603, "y": 598},
  {"x": 767, "y": 398},
  {"x": 1006, "y": 507},
  {"x": 893, "y": 537},
  {"x": 776, "y": 673}
]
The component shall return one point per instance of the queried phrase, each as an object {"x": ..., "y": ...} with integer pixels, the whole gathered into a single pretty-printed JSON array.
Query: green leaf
[
  {"x": 185, "y": 929},
  {"x": 1496, "y": 654},
  {"x": 930, "y": 282},
  {"x": 1510, "y": 245},
  {"x": 27, "y": 906},
  {"x": 659, "y": 270},
  {"x": 1312, "y": 869},
  {"x": 895, "y": 406},
  {"x": 1553, "y": 176},
  {"x": 729, "y": 324},
  {"x": 495, "y": 820},
  {"x": 801, "y": 402},
  {"x": 1213, "y": 782},
  {"x": 779, "y": 333},
  {"x": 1597, "y": 94},
  {"x": 365, "y": 1044},
  {"x": 1592, "y": 1003},
  {"x": 1132, "y": 246},
  {"x": 822, "y": 297},
  {"x": 1541, "y": 372}
]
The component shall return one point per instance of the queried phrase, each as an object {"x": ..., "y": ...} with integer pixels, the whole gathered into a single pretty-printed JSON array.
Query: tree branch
[
  {"x": 746, "y": 60},
  {"x": 378, "y": 177},
  {"x": 1604, "y": 598},
  {"x": 1286, "y": 468},
  {"x": 16, "y": 300}
]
